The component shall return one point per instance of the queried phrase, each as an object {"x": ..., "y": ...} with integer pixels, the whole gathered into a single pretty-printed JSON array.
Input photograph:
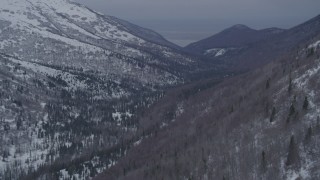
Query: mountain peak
[{"x": 240, "y": 27}]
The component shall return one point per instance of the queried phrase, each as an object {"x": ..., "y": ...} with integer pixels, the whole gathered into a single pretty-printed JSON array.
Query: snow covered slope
[
  {"x": 73, "y": 81},
  {"x": 59, "y": 32},
  {"x": 249, "y": 48}
]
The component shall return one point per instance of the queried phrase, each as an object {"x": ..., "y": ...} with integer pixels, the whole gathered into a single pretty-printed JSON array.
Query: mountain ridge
[
  {"x": 252, "y": 50},
  {"x": 232, "y": 37}
]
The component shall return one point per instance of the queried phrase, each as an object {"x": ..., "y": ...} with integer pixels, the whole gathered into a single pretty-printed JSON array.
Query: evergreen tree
[
  {"x": 305, "y": 103},
  {"x": 263, "y": 161},
  {"x": 268, "y": 84},
  {"x": 231, "y": 110},
  {"x": 292, "y": 110},
  {"x": 290, "y": 84},
  {"x": 293, "y": 154},
  {"x": 309, "y": 134},
  {"x": 310, "y": 52},
  {"x": 273, "y": 113}
]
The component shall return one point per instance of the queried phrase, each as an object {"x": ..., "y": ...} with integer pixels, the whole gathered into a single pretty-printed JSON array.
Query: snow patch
[
  {"x": 302, "y": 81},
  {"x": 314, "y": 45},
  {"x": 216, "y": 52}
]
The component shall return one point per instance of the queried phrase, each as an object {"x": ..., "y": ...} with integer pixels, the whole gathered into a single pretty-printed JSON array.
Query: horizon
[{"x": 195, "y": 21}]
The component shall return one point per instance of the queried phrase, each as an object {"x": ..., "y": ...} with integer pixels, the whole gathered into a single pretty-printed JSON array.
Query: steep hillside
[
  {"x": 72, "y": 84},
  {"x": 147, "y": 34},
  {"x": 61, "y": 33},
  {"x": 264, "y": 124}
]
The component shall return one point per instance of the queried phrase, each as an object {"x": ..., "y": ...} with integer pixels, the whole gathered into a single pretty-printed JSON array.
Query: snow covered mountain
[
  {"x": 72, "y": 83},
  {"x": 242, "y": 48},
  {"x": 62, "y": 33},
  {"x": 78, "y": 92},
  {"x": 236, "y": 37}
]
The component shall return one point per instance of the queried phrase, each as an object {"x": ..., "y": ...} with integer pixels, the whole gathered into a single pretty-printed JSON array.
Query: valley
[{"x": 85, "y": 95}]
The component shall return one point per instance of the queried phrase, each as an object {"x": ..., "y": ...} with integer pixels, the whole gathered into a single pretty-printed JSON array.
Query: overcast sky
[{"x": 185, "y": 21}]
